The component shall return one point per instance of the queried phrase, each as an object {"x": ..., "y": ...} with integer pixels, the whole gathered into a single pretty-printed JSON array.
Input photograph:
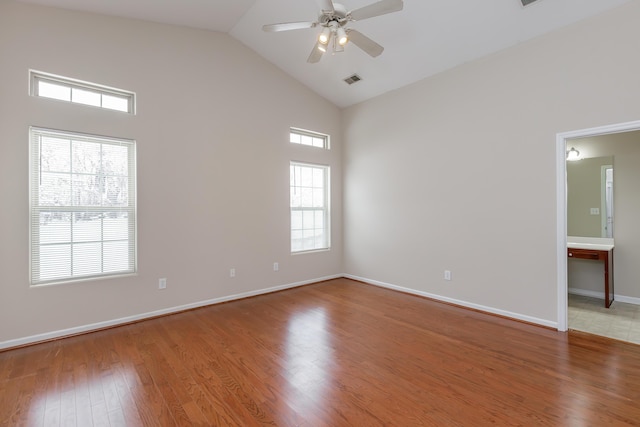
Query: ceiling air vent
[
  {"x": 353, "y": 79},
  {"x": 527, "y": 2}
]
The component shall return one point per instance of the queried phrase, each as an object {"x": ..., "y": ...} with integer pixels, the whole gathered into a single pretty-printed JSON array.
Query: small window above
[
  {"x": 78, "y": 92},
  {"x": 312, "y": 139}
]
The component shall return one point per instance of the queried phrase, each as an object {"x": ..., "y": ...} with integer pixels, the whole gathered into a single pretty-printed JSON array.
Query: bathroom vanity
[{"x": 597, "y": 249}]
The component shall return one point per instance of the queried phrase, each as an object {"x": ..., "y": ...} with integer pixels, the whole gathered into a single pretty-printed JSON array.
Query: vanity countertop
[{"x": 594, "y": 243}]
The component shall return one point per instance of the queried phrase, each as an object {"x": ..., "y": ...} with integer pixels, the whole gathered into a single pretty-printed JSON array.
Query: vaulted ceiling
[{"x": 425, "y": 38}]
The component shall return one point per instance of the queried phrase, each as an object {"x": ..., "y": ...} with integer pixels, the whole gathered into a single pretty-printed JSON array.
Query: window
[
  {"x": 82, "y": 206},
  {"x": 65, "y": 89},
  {"x": 309, "y": 186},
  {"x": 305, "y": 137}
]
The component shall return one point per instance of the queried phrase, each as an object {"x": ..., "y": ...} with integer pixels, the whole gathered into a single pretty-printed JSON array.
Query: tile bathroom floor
[{"x": 621, "y": 321}]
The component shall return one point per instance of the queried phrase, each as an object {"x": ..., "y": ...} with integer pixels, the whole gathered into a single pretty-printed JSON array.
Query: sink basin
[{"x": 595, "y": 243}]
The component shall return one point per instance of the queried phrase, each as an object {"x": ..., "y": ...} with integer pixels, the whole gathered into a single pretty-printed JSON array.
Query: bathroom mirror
[{"x": 590, "y": 197}]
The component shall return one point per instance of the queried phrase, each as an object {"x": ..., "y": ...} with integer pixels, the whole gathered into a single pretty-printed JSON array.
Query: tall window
[
  {"x": 83, "y": 210},
  {"x": 309, "y": 187}
]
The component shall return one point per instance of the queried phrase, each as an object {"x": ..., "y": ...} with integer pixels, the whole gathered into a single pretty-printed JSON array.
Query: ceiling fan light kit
[
  {"x": 334, "y": 18},
  {"x": 325, "y": 35},
  {"x": 342, "y": 36}
]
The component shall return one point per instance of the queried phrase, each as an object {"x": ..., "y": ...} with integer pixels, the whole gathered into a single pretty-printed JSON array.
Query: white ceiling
[{"x": 427, "y": 37}]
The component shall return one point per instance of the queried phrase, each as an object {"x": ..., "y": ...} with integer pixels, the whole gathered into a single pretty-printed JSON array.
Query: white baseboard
[
  {"x": 129, "y": 319},
  {"x": 600, "y": 295},
  {"x": 461, "y": 303},
  {"x": 628, "y": 300},
  {"x": 586, "y": 293}
]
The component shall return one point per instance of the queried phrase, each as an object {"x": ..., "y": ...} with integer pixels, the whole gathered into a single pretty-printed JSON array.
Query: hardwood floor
[{"x": 337, "y": 353}]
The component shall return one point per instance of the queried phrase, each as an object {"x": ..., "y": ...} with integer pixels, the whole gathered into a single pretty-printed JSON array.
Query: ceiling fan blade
[
  {"x": 364, "y": 43},
  {"x": 286, "y": 26},
  {"x": 316, "y": 53},
  {"x": 376, "y": 9},
  {"x": 326, "y": 6}
]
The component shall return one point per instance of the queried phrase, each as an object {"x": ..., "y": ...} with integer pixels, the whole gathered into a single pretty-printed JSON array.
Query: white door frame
[{"x": 561, "y": 207}]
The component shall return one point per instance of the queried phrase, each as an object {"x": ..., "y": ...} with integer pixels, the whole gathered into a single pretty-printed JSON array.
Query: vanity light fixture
[{"x": 573, "y": 155}]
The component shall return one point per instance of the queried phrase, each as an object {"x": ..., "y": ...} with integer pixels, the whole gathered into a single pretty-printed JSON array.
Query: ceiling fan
[{"x": 333, "y": 18}]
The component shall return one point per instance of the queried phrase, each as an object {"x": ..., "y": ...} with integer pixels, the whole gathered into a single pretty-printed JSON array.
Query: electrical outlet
[
  {"x": 276, "y": 267},
  {"x": 162, "y": 283},
  {"x": 232, "y": 272},
  {"x": 447, "y": 275}
]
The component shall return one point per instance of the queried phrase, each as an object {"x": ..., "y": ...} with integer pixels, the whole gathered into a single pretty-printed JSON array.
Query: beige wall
[
  {"x": 584, "y": 182},
  {"x": 213, "y": 164},
  {"x": 458, "y": 171},
  {"x": 454, "y": 172},
  {"x": 625, "y": 149}
]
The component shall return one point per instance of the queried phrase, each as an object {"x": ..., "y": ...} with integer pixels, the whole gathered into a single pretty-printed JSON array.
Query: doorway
[{"x": 561, "y": 208}]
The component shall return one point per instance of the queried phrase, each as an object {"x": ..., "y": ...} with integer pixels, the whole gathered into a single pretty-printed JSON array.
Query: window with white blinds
[
  {"x": 309, "y": 189},
  {"x": 83, "y": 206}
]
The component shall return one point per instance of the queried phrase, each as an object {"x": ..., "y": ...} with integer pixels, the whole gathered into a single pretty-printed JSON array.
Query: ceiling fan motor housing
[{"x": 339, "y": 15}]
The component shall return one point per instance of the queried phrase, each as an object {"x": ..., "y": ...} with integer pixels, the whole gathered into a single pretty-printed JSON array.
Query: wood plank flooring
[{"x": 337, "y": 353}]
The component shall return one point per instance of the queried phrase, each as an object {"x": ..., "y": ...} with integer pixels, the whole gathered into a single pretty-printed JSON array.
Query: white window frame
[
  {"x": 101, "y": 91},
  {"x": 35, "y": 209},
  {"x": 313, "y": 207},
  {"x": 309, "y": 138}
]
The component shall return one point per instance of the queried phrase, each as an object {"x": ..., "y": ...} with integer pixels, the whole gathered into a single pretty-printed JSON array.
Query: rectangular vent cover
[{"x": 352, "y": 79}]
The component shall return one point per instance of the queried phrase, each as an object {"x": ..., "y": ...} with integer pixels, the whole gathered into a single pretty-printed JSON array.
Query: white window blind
[
  {"x": 309, "y": 188},
  {"x": 83, "y": 210}
]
